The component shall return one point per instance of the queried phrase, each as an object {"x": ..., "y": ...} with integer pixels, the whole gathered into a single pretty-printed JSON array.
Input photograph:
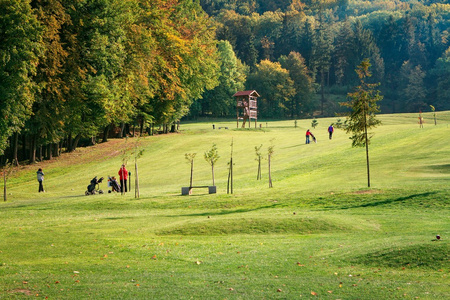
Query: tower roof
[{"x": 247, "y": 93}]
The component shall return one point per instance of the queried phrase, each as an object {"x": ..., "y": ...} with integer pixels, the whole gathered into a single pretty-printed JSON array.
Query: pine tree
[{"x": 363, "y": 104}]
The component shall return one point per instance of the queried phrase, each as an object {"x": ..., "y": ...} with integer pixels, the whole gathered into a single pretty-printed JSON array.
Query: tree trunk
[
  {"x": 192, "y": 173},
  {"x": 322, "y": 90},
  {"x": 258, "y": 177},
  {"x": 136, "y": 181},
  {"x": 32, "y": 149},
  {"x": 212, "y": 167},
  {"x": 122, "y": 128},
  {"x": 49, "y": 154},
  {"x": 4, "y": 184},
  {"x": 270, "y": 176},
  {"x": 40, "y": 153},
  {"x": 55, "y": 148},
  {"x": 141, "y": 127},
  {"x": 172, "y": 128},
  {"x": 105, "y": 134},
  {"x": 15, "y": 146},
  {"x": 75, "y": 142},
  {"x": 24, "y": 148},
  {"x": 367, "y": 146},
  {"x": 69, "y": 142}
]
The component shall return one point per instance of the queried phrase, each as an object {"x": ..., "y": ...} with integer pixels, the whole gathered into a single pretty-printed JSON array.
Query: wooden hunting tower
[{"x": 246, "y": 107}]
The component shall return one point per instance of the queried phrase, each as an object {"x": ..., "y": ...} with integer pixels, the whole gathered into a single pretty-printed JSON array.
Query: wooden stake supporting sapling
[
  {"x": 258, "y": 159},
  {"x": 230, "y": 172},
  {"x": 7, "y": 170},
  {"x": 138, "y": 151},
  {"x": 190, "y": 157},
  {"x": 269, "y": 156}
]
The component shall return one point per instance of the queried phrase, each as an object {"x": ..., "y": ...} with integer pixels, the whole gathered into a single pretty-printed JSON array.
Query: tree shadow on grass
[
  {"x": 229, "y": 212},
  {"x": 390, "y": 201}
]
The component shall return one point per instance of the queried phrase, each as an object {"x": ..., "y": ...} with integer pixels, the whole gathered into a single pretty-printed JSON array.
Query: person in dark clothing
[
  {"x": 40, "y": 179},
  {"x": 123, "y": 175},
  {"x": 330, "y": 131}
]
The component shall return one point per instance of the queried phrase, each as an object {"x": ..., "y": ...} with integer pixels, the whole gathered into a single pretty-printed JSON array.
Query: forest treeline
[
  {"x": 80, "y": 71},
  {"x": 72, "y": 70},
  {"x": 407, "y": 43}
]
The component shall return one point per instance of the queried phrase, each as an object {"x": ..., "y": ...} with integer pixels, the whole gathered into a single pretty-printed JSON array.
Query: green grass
[{"x": 319, "y": 232}]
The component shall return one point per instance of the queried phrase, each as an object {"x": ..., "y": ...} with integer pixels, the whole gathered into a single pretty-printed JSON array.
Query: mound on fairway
[
  {"x": 432, "y": 255},
  {"x": 256, "y": 226}
]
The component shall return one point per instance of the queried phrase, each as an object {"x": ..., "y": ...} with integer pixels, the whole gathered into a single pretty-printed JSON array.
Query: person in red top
[
  {"x": 123, "y": 175},
  {"x": 308, "y": 135}
]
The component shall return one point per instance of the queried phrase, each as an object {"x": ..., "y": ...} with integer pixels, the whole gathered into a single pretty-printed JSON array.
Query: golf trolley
[{"x": 94, "y": 187}]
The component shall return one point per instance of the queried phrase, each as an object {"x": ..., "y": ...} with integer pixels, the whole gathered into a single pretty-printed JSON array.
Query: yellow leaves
[{"x": 313, "y": 293}]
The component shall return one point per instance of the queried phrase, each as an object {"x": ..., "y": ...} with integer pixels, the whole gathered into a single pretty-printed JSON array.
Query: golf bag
[
  {"x": 93, "y": 187},
  {"x": 115, "y": 186}
]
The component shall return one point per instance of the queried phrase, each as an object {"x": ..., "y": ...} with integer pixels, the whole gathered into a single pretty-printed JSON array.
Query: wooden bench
[
  {"x": 188, "y": 190},
  {"x": 223, "y": 127}
]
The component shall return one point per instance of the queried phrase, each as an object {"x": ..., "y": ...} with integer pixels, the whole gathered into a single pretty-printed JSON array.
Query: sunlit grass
[{"x": 320, "y": 230}]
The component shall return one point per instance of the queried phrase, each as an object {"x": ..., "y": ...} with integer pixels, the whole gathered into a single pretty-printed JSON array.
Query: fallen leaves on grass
[{"x": 313, "y": 293}]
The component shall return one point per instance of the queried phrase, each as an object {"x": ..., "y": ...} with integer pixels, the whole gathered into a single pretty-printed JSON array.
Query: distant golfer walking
[
  {"x": 330, "y": 131},
  {"x": 40, "y": 179}
]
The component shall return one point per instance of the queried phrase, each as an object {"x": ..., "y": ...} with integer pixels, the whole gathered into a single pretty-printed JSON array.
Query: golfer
[
  {"x": 123, "y": 175},
  {"x": 40, "y": 179},
  {"x": 330, "y": 131}
]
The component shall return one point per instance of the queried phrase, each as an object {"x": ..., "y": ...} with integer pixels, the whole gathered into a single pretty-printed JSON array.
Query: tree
[
  {"x": 303, "y": 84},
  {"x": 211, "y": 157},
  {"x": 219, "y": 101},
  {"x": 20, "y": 48},
  {"x": 258, "y": 159},
  {"x": 363, "y": 104},
  {"x": 190, "y": 158},
  {"x": 414, "y": 91},
  {"x": 442, "y": 75},
  {"x": 276, "y": 87},
  {"x": 46, "y": 125},
  {"x": 314, "y": 123}
]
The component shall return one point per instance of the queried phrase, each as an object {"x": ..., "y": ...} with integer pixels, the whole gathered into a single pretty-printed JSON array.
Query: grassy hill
[{"x": 319, "y": 232}]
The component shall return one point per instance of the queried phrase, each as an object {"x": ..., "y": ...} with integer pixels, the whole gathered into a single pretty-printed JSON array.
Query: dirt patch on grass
[
  {"x": 82, "y": 155},
  {"x": 22, "y": 291},
  {"x": 367, "y": 192}
]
